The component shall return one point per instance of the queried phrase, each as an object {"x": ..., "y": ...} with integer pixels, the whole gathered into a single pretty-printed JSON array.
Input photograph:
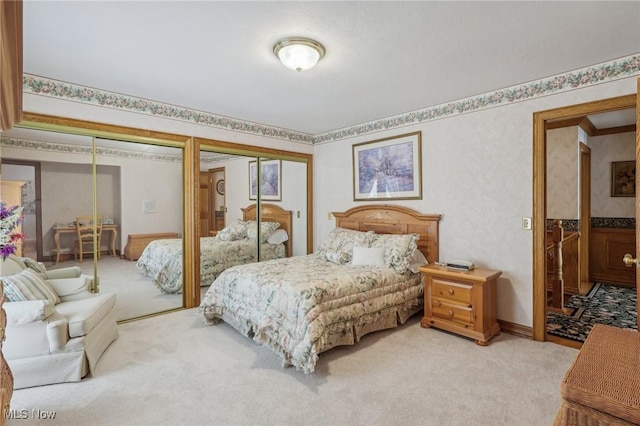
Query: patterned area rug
[{"x": 605, "y": 304}]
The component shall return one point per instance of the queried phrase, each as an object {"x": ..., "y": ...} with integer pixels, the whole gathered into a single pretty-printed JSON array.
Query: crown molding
[{"x": 621, "y": 68}]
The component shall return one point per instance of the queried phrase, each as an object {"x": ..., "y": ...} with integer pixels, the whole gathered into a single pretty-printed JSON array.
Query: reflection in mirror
[
  {"x": 139, "y": 199},
  {"x": 223, "y": 200},
  {"x": 126, "y": 194},
  {"x": 228, "y": 196}
]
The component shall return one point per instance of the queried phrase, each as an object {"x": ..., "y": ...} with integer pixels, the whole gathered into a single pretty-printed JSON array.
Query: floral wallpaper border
[
  {"x": 109, "y": 152},
  {"x": 608, "y": 71},
  {"x": 86, "y": 150}
]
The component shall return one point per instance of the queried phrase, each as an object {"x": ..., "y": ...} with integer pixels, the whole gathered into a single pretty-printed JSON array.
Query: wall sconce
[{"x": 298, "y": 53}]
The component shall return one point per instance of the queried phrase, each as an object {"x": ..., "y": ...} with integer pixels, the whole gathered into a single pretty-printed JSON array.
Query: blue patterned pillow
[{"x": 28, "y": 285}]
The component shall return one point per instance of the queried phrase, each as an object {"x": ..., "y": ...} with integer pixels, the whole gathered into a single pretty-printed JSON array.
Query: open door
[
  {"x": 638, "y": 195},
  {"x": 629, "y": 258}
]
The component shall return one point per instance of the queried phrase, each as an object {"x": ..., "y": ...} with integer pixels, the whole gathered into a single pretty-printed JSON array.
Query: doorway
[
  {"x": 541, "y": 121},
  {"x": 27, "y": 172}
]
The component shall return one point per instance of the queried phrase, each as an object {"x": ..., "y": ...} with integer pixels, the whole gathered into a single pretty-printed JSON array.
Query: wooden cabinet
[
  {"x": 462, "y": 302},
  {"x": 608, "y": 247}
]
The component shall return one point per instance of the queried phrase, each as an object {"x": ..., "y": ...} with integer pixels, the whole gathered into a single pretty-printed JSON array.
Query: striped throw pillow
[{"x": 28, "y": 285}]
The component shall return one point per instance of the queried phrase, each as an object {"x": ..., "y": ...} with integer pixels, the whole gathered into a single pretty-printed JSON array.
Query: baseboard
[{"x": 516, "y": 329}]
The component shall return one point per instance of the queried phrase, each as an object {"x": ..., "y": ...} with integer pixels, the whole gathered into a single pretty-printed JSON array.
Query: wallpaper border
[{"x": 604, "y": 72}]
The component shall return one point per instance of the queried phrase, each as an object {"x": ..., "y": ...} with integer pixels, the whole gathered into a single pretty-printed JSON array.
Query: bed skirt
[{"x": 337, "y": 334}]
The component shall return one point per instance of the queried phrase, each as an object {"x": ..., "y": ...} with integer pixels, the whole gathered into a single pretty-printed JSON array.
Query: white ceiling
[{"x": 383, "y": 58}]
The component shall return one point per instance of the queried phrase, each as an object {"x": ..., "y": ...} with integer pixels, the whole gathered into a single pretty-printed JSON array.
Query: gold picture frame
[
  {"x": 623, "y": 179},
  {"x": 388, "y": 168},
  {"x": 270, "y": 180}
]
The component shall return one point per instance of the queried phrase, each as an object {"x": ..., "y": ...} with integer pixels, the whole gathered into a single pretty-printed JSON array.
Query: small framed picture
[
  {"x": 623, "y": 179},
  {"x": 270, "y": 180},
  {"x": 220, "y": 187}
]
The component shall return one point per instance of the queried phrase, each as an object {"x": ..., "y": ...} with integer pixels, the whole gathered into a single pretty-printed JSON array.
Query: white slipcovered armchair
[{"x": 60, "y": 333}]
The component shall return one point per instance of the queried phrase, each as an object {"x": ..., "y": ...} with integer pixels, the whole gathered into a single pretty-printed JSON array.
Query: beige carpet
[{"x": 174, "y": 370}]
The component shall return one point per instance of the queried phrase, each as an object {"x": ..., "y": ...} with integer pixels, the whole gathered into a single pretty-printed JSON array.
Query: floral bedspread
[
  {"x": 162, "y": 259},
  {"x": 294, "y": 305}
]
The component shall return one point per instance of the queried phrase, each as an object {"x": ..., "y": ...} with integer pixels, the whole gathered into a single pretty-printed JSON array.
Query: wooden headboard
[
  {"x": 388, "y": 219},
  {"x": 272, "y": 213}
]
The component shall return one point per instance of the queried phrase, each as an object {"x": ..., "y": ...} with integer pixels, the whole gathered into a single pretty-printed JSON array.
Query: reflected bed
[{"x": 162, "y": 259}]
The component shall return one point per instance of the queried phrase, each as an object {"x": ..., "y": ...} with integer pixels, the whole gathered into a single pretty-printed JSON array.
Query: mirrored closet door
[{"x": 120, "y": 188}]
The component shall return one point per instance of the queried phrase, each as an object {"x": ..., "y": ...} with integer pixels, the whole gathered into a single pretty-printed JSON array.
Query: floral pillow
[
  {"x": 343, "y": 240},
  {"x": 266, "y": 230},
  {"x": 398, "y": 249},
  {"x": 236, "y": 230},
  {"x": 339, "y": 257}
]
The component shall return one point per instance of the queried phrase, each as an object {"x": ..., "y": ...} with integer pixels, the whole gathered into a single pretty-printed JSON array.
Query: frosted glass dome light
[{"x": 298, "y": 53}]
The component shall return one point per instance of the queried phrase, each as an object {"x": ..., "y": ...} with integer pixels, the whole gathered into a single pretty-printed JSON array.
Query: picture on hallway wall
[
  {"x": 388, "y": 169},
  {"x": 623, "y": 179}
]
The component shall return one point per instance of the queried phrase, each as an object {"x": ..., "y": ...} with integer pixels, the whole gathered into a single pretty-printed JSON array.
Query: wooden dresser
[{"x": 462, "y": 302}]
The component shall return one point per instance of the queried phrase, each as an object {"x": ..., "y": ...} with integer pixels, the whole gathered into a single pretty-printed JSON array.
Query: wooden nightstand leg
[
  {"x": 481, "y": 343},
  {"x": 424, "y": 324}
]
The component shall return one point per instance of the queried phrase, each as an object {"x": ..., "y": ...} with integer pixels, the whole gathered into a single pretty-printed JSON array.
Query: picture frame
[
  {"x": 270, "y": 180},
  {"x": 220, "y": 187},
  {"x": 623, "y": 178},
  {"x": 388, "y": 168}
]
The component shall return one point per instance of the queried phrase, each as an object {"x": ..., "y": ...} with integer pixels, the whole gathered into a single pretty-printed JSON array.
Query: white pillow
[
  {"x": 371, "y": 256},
  {"x": 416, "y": 261},
  {"x": 278, "y": 237}
]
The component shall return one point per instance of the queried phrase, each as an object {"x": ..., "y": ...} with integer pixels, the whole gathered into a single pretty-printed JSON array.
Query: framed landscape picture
[
  {"x": 623, "y": 179},
  {"x": 388, "y": 169},
  {"x": 270, "y": 180}
]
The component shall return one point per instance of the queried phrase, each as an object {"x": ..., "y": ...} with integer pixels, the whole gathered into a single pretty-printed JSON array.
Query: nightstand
[{"x": 462, "y": 302}]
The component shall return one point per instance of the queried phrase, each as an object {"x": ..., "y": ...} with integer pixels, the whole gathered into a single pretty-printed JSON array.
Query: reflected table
[{"x": 69, "y": 229}]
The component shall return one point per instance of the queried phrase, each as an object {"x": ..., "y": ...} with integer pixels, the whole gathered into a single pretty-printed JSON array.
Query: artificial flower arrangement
[{"x": 10, "y": 218}]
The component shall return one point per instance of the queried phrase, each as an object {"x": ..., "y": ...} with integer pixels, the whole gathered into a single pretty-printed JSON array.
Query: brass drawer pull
[
  {"x": 450, "y": 313},
  {"x": 451, "y": 291}
]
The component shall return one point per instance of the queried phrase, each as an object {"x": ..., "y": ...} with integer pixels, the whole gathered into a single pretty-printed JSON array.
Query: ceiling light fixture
[{"x": 298, "y": 53}]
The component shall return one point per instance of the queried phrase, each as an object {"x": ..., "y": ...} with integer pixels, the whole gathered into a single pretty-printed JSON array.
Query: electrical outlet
[
  {"x": 329, "y": 216},
  {"x": 526, "y": 223},
  {"x": 298, "y": 214}
]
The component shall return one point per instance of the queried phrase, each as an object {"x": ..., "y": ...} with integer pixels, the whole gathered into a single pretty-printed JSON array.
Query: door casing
[{"x": 539, "y": 192}]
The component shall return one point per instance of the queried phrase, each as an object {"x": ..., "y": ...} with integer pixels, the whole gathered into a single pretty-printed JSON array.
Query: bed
[
  {"x": 162, "y": 259},
  {"x": 362, "y": 278}
]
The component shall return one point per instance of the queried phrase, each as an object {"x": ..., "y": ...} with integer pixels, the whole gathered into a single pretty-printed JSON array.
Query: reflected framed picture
[
  {"x": 623, "y": 179},
  {"x": 220, "y": 187},
  {"x": 270, "y": 180},
  {"x": 388, "y": 169}
]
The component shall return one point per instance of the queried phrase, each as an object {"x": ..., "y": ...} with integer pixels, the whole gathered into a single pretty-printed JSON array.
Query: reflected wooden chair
[{"x": 84, "y": 243}]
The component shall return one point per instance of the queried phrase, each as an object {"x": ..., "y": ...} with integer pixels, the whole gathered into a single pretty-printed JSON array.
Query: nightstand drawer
[
  {"x": 451, "y": 291},
  {"x": 458, "y": 313}
]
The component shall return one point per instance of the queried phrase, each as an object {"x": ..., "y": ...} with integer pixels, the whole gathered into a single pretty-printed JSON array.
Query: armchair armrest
[
  {"x": 72, "y": 288},
  {"x": 70, "y": 272},
  {"x": 28, "y": 311}
]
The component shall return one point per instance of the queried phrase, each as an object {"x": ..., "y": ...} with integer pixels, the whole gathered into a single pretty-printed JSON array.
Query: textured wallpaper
[{"x": 562, "y": 173}]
